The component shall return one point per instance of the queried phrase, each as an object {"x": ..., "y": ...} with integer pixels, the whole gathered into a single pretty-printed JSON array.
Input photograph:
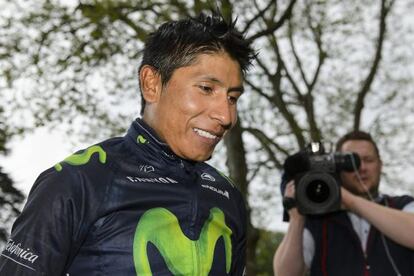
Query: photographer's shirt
[{"x": 360, "y": 225}]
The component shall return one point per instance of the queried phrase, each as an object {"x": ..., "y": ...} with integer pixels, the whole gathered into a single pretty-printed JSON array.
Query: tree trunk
[{"x": 237, "y": 165}]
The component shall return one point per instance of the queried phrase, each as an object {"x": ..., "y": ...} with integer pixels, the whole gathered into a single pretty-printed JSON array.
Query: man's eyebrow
[{"x": 231, "y": 89}]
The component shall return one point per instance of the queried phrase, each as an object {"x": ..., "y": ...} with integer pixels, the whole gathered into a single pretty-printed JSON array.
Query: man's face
[
  {"x": 370, "y": 169},
  {"x": 198, "y": 105}
]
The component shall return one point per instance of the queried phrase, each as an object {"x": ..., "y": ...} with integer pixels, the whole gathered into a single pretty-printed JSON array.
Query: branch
[
  {"x": 265, "y": 139},
  {"x": 317, "y": 34},
  {"x": 266, "y": 142},
  {"x": 258, "y": 90},
  {"x": 277, "y": 99},
  {"x": 258, "y": 166},
  {"x": 295, "y": 54},
  {"x": 309, "y": 99},
  {"x": 266, "y": 71},
  {"x": 140, "y": 32},
  {"x": 260, "y": 14},
  {"x": 359, "y": 105},
  {"x": 281, "y": 64},
  {"x": 276, "y": 25}
]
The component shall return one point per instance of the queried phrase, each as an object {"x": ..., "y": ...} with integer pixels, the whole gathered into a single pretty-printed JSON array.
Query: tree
[
  {"x": 325, "y": 67},
  {"x": 266, "y": 246},
  {"x": 10, "y": 197}
]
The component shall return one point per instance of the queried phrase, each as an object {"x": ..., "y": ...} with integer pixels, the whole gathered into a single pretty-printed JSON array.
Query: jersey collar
[{"x": 143, "y": 135}]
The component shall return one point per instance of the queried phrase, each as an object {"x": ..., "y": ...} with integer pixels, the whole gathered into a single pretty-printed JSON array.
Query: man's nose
[
  {"x": 363, "y": 165},
  {"x": 222, "y": 111}
]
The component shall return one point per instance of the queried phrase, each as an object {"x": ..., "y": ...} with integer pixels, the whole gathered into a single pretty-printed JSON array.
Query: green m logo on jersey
[
  {"x": 182, "y": 255},
  {"x": 84, "y": 157}
]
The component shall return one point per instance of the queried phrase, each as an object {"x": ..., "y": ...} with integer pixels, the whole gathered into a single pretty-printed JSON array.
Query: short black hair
[
  {"x": 357, "y": 135},
  {"x": 177, "y": 44}
]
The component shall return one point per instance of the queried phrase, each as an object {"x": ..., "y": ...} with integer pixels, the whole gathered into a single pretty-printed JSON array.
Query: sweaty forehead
[{"x": 218, "y": 67}]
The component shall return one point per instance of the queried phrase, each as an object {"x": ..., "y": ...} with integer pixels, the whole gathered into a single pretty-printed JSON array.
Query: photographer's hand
[
  {"x": 290, "y": 196},
  {"x": 288, "y": 259}
]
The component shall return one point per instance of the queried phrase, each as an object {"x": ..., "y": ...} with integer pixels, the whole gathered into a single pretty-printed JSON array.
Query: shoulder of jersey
[
  {"x": 97, "y": 156},
  {"x": 211, "y": 171}
]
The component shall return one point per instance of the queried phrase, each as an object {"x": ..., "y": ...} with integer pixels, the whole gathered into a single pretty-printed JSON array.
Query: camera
[{"x": 317, "y": 181}]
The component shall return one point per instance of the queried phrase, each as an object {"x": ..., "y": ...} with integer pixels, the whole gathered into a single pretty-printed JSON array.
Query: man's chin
[
  {"x": 203, "y": 158},
  {"x": 200, "y": 157}
]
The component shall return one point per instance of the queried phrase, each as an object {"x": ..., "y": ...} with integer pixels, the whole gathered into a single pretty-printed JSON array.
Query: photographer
[{"x": 372, "y": 234}]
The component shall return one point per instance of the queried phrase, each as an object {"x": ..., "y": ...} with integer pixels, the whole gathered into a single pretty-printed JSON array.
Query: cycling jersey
[{"x": 129, "y": 206}]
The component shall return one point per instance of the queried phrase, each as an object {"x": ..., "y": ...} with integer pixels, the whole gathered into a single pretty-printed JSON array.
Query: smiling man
[
  {"x": 197, "y": 106},
  {"x": 147, "y": 203}
]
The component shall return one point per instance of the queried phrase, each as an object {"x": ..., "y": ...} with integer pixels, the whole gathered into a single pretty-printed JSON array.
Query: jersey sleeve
[
  {"x": 48, "y": 232},
  {"x": 239, "y": 254}
]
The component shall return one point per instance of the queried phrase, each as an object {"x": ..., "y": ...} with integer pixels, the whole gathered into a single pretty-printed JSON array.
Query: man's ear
[{"x": 150, "y": 81}]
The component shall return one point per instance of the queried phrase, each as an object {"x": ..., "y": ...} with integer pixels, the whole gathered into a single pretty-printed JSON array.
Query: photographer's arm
[
  {"x": 288, "y": 259},
  {"x": 395, "y": 224}
]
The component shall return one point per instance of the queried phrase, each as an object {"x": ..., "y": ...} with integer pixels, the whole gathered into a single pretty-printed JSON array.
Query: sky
[{"x": 33, "y": 154}]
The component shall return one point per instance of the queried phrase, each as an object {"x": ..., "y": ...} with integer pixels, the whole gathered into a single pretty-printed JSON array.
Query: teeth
[{"x": 205, "y": 134}]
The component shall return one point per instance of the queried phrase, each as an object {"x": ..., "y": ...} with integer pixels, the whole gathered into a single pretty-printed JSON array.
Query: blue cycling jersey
[{"x": 129, "y": 206}]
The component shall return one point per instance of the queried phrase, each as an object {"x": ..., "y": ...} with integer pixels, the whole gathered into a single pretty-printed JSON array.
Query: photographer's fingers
[
  {"x": 290, "y": 189},
  {"x": 289, "y": 200}
]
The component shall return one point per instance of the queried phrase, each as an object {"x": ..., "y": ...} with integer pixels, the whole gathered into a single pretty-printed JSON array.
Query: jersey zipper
[{"x": 193, "y": 215}]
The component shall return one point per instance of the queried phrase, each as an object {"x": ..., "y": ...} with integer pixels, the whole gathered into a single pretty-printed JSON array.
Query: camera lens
[{"x": 317, "y": 191}]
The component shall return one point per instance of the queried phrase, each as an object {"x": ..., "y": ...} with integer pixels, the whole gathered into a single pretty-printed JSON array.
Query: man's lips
[
  {"x": 364, "y": 178},
  {"x": 208, "y": 134}
]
